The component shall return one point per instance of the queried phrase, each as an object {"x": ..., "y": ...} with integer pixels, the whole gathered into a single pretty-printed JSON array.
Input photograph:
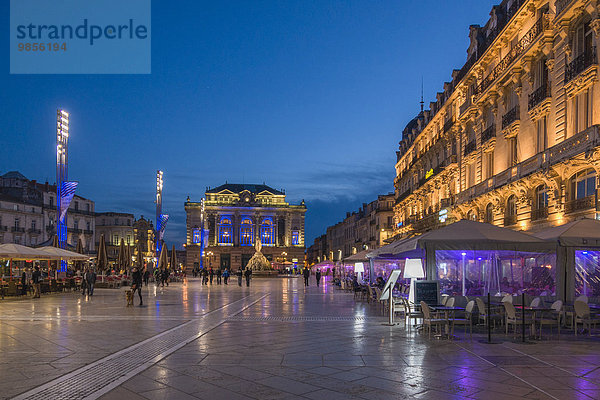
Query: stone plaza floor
[{"x": 274, "y": 340}]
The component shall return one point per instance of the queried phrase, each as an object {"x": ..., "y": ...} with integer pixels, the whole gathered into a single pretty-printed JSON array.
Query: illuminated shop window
[
  {"x": 295, "y": 238},
  {"x": 196, "y": 236},
  {"x": 225, "y": 231},
  {"x": 246, "y": 232},
  {"x": 267, "y": 236}
]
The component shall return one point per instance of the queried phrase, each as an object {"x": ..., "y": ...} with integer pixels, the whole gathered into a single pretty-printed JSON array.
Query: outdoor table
[
  {"x": 532, "y": 310},
  {"x": 447, "y": 311}
]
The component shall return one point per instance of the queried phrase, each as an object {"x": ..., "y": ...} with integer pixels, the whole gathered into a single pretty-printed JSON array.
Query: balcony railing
[
  {"x": 34, "y": 231},
  {"x": 511, "y": 116},
  {"x": 470, "y": 147},
  {"x": 580, "y": 63},
  {"x": 585, "y": 203},
  {"x": 3, "y": 228},
  {"x": 488, "y": 133},
  {"x": 538, "y": 95},
  {"x": 510, "y": 220},
  {"x": 74, "y": 230},
  {"x": 518, "y": 50},
  {"x": 539, "y": 213},
  {"x": 88, "y": 232},
  {"x": 17, "y": 229}
]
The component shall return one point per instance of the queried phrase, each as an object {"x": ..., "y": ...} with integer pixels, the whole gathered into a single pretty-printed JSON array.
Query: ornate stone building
[
  {"x": 28, "y": 214},
  {"x": 513, "y": 137},
  {"x": 235, "y": 215},
  {"x": 115, "y": 226}
]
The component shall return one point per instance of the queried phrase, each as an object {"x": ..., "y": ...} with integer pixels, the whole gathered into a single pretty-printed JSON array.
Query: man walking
[
  {"x": 36, "y": 277},
  {"x": 211, "y": 274},
  {"x": 248, "y": 274},
  {"x": 136, "y": 284},
  {"x": 146, "y": 276},
  {"x": 239, "y": 276},
  {"x": 226, "y": 275},
  {"x": 90, "y": 277},
  {"x": 306, "y": 274},
  {"x": 318, "y": 276},
  {"x": 219, "y": 273}
]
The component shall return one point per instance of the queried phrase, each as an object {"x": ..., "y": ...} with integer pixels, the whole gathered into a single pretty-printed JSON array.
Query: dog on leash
[{"x": 129, "y": 297}]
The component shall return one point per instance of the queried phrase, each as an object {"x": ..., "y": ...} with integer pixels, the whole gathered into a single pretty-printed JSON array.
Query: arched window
[
  {"x": 246, "y": 232},
  {"x": 583, "y": 184},
  {"x": 267, "y": 234},
  {"x": 541, "y": 197},
  {"x": 196, "y": 235},
  {"x": 489, "y": 213},
  {"x": 471, "y": 216},
  {"x": 225, "y": 231},
  {"x": 511, "y": 206}
]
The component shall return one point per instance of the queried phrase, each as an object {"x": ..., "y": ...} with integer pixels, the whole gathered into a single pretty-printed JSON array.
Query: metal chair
[{"x": 583, "y": 316}]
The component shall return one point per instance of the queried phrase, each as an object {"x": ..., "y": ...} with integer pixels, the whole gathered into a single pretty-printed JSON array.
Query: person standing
[
  {"x": 219, "y": 273},
  {"x": 248, "y": 274},
  {"x": 157, "y": 277},
  {"x": 90, "y": 277},
  {"x": 204, "y": 274},
  {"x": 333, "y": 272},
  {"x": 165, "y": 276},
  {"x": 226, "y": 275},
  {"x": 239, "y": 276},
  {"x": 306, "y": 274},
  {"x": 146, "y": 276},
  {"x": 84, "y": 284},
  {"x": 136, "y": 284},
  {"x": 36, "y": 277},
  {"x": 211, "y": 274},
  {"x": 318, "y": 277}
]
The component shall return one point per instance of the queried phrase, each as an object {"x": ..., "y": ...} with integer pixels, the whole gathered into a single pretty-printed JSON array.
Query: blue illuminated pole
[
  {"x": 62, "y": 139},
  {"x": 159, "y": 227}
]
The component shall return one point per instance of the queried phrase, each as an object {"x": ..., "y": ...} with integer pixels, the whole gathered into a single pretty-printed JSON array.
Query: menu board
[
  {"x": 427, "y": 291},
  {"x": 389, "y": 285}
]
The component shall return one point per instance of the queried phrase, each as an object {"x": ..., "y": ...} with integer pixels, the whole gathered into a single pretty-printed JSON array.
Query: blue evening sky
[{"x": 309, "y": 96}]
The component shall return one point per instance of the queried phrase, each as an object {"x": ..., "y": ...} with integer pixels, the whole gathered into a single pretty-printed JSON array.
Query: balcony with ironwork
[
  {"x": 3, "y": 228},
  {"x": 17, "y": 229},
  {"x": 585, "y": 203},
  {"x": 539, "y": 213},
  {"x": 74, "y": 230},
  {"x": 511, "y": 116},
  {"x": 510, "y": 220},
  {"x": 538, "y": 95},
  {"x": 580, "y": 64},
  {"x": 34, "y": 231},
  {"x": 470, "y": 147},
  {"x": 88, "y": 232},
  {"x": 515, "y": 52},
  {"x": 488, "y": 133}
]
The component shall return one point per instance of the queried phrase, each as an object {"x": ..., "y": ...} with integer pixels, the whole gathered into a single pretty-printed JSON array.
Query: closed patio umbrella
[
  {"x": 102, "y": 260},
  {"x": 173, "y": 259},
  {"x": 163, "y": 262},
  {"x": 121, "y": 258}
]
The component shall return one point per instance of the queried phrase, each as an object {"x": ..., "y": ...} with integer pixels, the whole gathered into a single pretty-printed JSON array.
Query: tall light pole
[
  {"x": 62, "y": 141},
  {"x": 159, "y": 224}
]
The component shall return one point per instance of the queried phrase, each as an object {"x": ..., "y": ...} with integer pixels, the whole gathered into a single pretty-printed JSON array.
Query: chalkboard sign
[{"x": 427, "y": 291}]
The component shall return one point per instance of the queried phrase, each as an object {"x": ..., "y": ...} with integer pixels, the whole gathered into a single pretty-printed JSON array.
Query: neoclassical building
[
  {"x": 513, "y": 138},
  {"x": 234, "y": 216}
]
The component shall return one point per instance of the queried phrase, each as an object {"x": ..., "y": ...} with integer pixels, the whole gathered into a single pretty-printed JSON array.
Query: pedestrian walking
[
  {"x": 226, "y": 275},
  {"x": 136, "y": 284},
  {"x": 239, "y": 276},
  {"x": 157, "y": 277},
  {"x": 333, "y": 272},
  {"x": 90, "y": 277},
  {"x": 84, "y": 284},
  {"x": 146, "y": 276},
  {"x": 165, "y": 277},
  {"x": 36, "y": 278},
  {"x": 204, "y": 276},
  {"x": 306, "y": 274},
  {"x": 248, "y": 274},
  {"x": 211, "y": 274},
  {"x": 219, "y": 274},
  {"x": 318, "y": 277}
]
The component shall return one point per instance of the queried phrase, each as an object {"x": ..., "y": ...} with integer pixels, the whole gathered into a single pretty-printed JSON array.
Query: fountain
[{"x": 260, "y": 266}]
